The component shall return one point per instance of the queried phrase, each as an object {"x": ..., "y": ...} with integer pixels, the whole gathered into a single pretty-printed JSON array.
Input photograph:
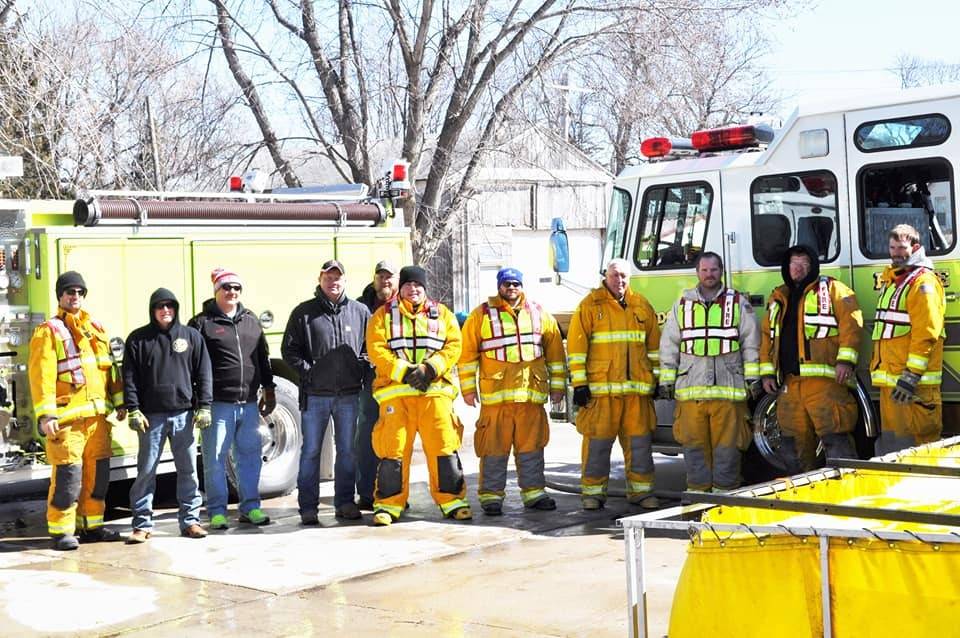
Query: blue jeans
[
  {"x": 313, "y": 423},
  {"x": 234, "y": 426},
  {"x": 367, "y": 460},
  {"x": 178, "y": 427}
]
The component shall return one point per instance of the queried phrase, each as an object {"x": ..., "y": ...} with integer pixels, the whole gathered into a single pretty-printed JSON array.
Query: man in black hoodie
[
  {"x": 241, "y": 365},
  {"x": 166, "y": 373},
  {"x": 324, "y": 343}
]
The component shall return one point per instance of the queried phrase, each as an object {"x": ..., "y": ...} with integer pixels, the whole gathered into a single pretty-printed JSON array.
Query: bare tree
[{"x": 914, "y": 71}]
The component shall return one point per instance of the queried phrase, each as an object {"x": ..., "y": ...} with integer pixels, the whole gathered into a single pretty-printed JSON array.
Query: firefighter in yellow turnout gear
[
  {"x": 517, "y": 349},
  {"x": 709, "y": 357},
  {"x": 810, "y": 341},
  {"x": 613, "y": 355},
  {"x": 908, "y": 339},
  {"x": 414, "y": 342},
  {"x": 75, "y": 384}
]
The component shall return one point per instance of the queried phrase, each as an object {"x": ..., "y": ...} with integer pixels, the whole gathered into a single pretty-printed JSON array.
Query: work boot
[
  {"x": 138, "y": 536},
  {"x": 546, "y": 504},
  {"x": 649, "y": 502},
  {"x": 218, "y": 521},
  {"x": 365, "y": 504},
  {"x": 309, "y": 519},
  {"x": 493, "y": 508},
  {"x": 255, "y": 517},
  {"x": 193, "y": 531},
  {"x": 99, "y": 535},
  {"x": 349, "y": 512},
  {"x": 461, "y": 514},
  {"x": 382, "y": 519},
  {"x": 590, "y": 503},
  {"x": 64, "y": 542}
]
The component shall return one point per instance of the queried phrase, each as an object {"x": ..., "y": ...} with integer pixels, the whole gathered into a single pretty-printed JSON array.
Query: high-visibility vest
[
  {"x": 69, "y": 369},
  {"x": 511, "y": 339},
  {"x": 415, "y": 340},
  {"x": 892, "y": 318},
  {"x": 819, "y": 320},
  {"x": 710, "y": 329}
]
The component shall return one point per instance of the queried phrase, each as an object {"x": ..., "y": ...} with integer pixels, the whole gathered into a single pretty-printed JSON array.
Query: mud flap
[
  {"x": 449, "y": 474},
  {"x": 66, "y": 489},
  {"x": 102, "y": 480},
  {"x": 389, "y": 478}
]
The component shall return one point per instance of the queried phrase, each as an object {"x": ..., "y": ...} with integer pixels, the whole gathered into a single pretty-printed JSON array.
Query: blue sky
[{"x": 843, "y": 47}]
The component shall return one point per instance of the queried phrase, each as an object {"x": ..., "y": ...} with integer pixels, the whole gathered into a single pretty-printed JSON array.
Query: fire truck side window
[
  {"x": 620, "y": 206},
  {"x": 795, "y": 208},
  {"x": 917, "y": 192},
  {"x": 673, "y": 225}
]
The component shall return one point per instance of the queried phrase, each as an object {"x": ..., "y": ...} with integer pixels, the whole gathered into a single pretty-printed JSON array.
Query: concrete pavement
[{"x": 524, "y": 574}]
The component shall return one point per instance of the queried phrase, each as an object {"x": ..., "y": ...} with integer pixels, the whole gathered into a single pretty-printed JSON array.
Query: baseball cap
[
  {"x": 330, "y": 264},
  {"x": 385, "y": 264}
]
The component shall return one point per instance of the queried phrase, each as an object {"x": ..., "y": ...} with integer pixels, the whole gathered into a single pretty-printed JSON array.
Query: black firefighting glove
[
  {"x": 581, "y": 396},
  {"x": 416, "y": 378},
  {"x": 429, "y": 374},
  {"x": 906, "y": 389}
]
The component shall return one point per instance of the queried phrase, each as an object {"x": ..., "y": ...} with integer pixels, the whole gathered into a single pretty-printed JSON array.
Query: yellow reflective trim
[
  {"x": 617, "y": 336},
  {"x": 668, "y": 375},
  {"x": 704, "y": 392},
  {"x": 847, "y": 354},
  {"x": 557, "y": 383},
  {"x": 473, "y": 366},
  {"x": 392, "y": 510},
  {"x": 931, "y": 378},
  {"x": 574, "y": 358},
  {"x": 593, "y": 490},
  {"x": 881, "y": 378},
  {"x": 751, "y": 370},
  {"x": 399, "y": 369},
  {"x": 489, "y": 497},
  {"x": 532, "y": 494},
  {"x": 638, "y": 487},
  {"x": 513, "y": 395},
  {"x": 556, "y": 368},
  {"x": 624, "y": 387},
  {"x": 653, "y": 355},
  {"x": 403, "y": 390},
  {"x": 455, "y": 504},
  {"x": 916, "y": 362},
  {"x": 817, "y": 370},
  {"x": 43, "y": 409},
  {"x": 578, "y": 376},
  {"x": 767, "y": 369}
]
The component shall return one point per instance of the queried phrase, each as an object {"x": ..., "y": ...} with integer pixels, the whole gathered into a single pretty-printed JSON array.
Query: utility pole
[
  {"x": 567, "y": 87},
  {"x": 154, "y": 148}
]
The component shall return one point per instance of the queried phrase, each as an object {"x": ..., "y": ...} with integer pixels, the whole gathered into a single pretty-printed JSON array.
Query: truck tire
[{"x": 280, "y": 435}]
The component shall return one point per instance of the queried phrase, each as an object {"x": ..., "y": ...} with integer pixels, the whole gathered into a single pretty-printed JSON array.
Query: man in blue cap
[{"x": 516, "y": 347}]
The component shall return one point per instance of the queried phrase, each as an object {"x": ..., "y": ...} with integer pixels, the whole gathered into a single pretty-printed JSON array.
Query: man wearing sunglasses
[
  {"x": 75, "y": 384},
  {"x": 240, "y": 359},
  {"x": 166, "y": 372},
  {"x": 516, "y": 347}
]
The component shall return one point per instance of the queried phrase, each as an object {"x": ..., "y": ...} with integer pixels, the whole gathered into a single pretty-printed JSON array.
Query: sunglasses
[
  {"x": 75, "y": 291},
  {"x": 164, "y": 305},
  {"x": 232, "y": 287},
  {"x": 512, "y": 284}
]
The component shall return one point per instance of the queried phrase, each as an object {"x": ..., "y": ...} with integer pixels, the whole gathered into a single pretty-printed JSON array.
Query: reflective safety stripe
[
  {"x": 767, "y": 369},
  {"x": 705, "y": 392},
  {"x": 668, "y": 375},
  {"x": 468, "y": 376},
  {"x": 557, "y": 372},
  {"x": 882, "y": 378},
  {"x": 751, "y": 370},
  {"x": 69, "y": 365},
  {"x": 593, "y": 490},
  {"x": 819, "y": 320},
  {"x": 489, "y": 497},
  {"x": 578, "y": 377},
  {"x": 710, "y": 329},
  {"x": 513, "y": 395},
  {"x": 512, "y": 339},
  {"x": 917, "y": 362},
  {"x": 617, "y": 336},
  {"x": 393, "y": 391},
  {"x": 622, "y": 387},
  {"x": 892, "y": 318},
  {"x": 847, "y": 354},
  {"x": 450, "y": 506},
  {"x": 817, "y": 370},
  {"x": 773, "y": 316},
  {"x": 392, "y": 510},
  {"x": 59, "y": 529},
  {"x": 532, "y": 495},
  {"x": 638, "y": 487},
  {"x": 91, "y": 522}
]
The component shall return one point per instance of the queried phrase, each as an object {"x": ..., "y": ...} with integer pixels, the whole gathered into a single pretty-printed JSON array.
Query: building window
[
  {"x": 791, "y": 209},
  {"x": 673, "y": 225},
  {"x": 918, "y": 193},
  {"x": 904, "y": 132}
]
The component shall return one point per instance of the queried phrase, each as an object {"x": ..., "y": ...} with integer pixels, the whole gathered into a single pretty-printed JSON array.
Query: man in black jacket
[
  {"x": 324, "y": 343},
  {"x": 241, "y": 365},
  {"x": 166, "y": 372}
]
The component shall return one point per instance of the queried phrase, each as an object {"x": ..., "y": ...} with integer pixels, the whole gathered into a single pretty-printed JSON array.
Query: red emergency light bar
[
  {"x": 663, "y": 146},
  {"x": 400, "y": 171},
  {"x": 733, "y": 137},
  {"x": 236, "y": 183}
]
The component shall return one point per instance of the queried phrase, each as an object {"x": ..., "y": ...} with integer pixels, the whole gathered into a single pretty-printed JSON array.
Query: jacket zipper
[{"x": 240, "y": 390}]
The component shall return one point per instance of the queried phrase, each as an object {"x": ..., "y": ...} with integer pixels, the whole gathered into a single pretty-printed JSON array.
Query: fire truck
[
  {"x": 835, "y": 177},
  {"x": 127, "y": 244}
]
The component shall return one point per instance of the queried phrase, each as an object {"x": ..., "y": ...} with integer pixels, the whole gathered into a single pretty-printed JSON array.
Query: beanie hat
[
  {"x": 70, "y": 279},
  {"x": 413, "y": 273},
  {"x": 221, "y": 276},
  {"x": 509, "y": 274}
]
